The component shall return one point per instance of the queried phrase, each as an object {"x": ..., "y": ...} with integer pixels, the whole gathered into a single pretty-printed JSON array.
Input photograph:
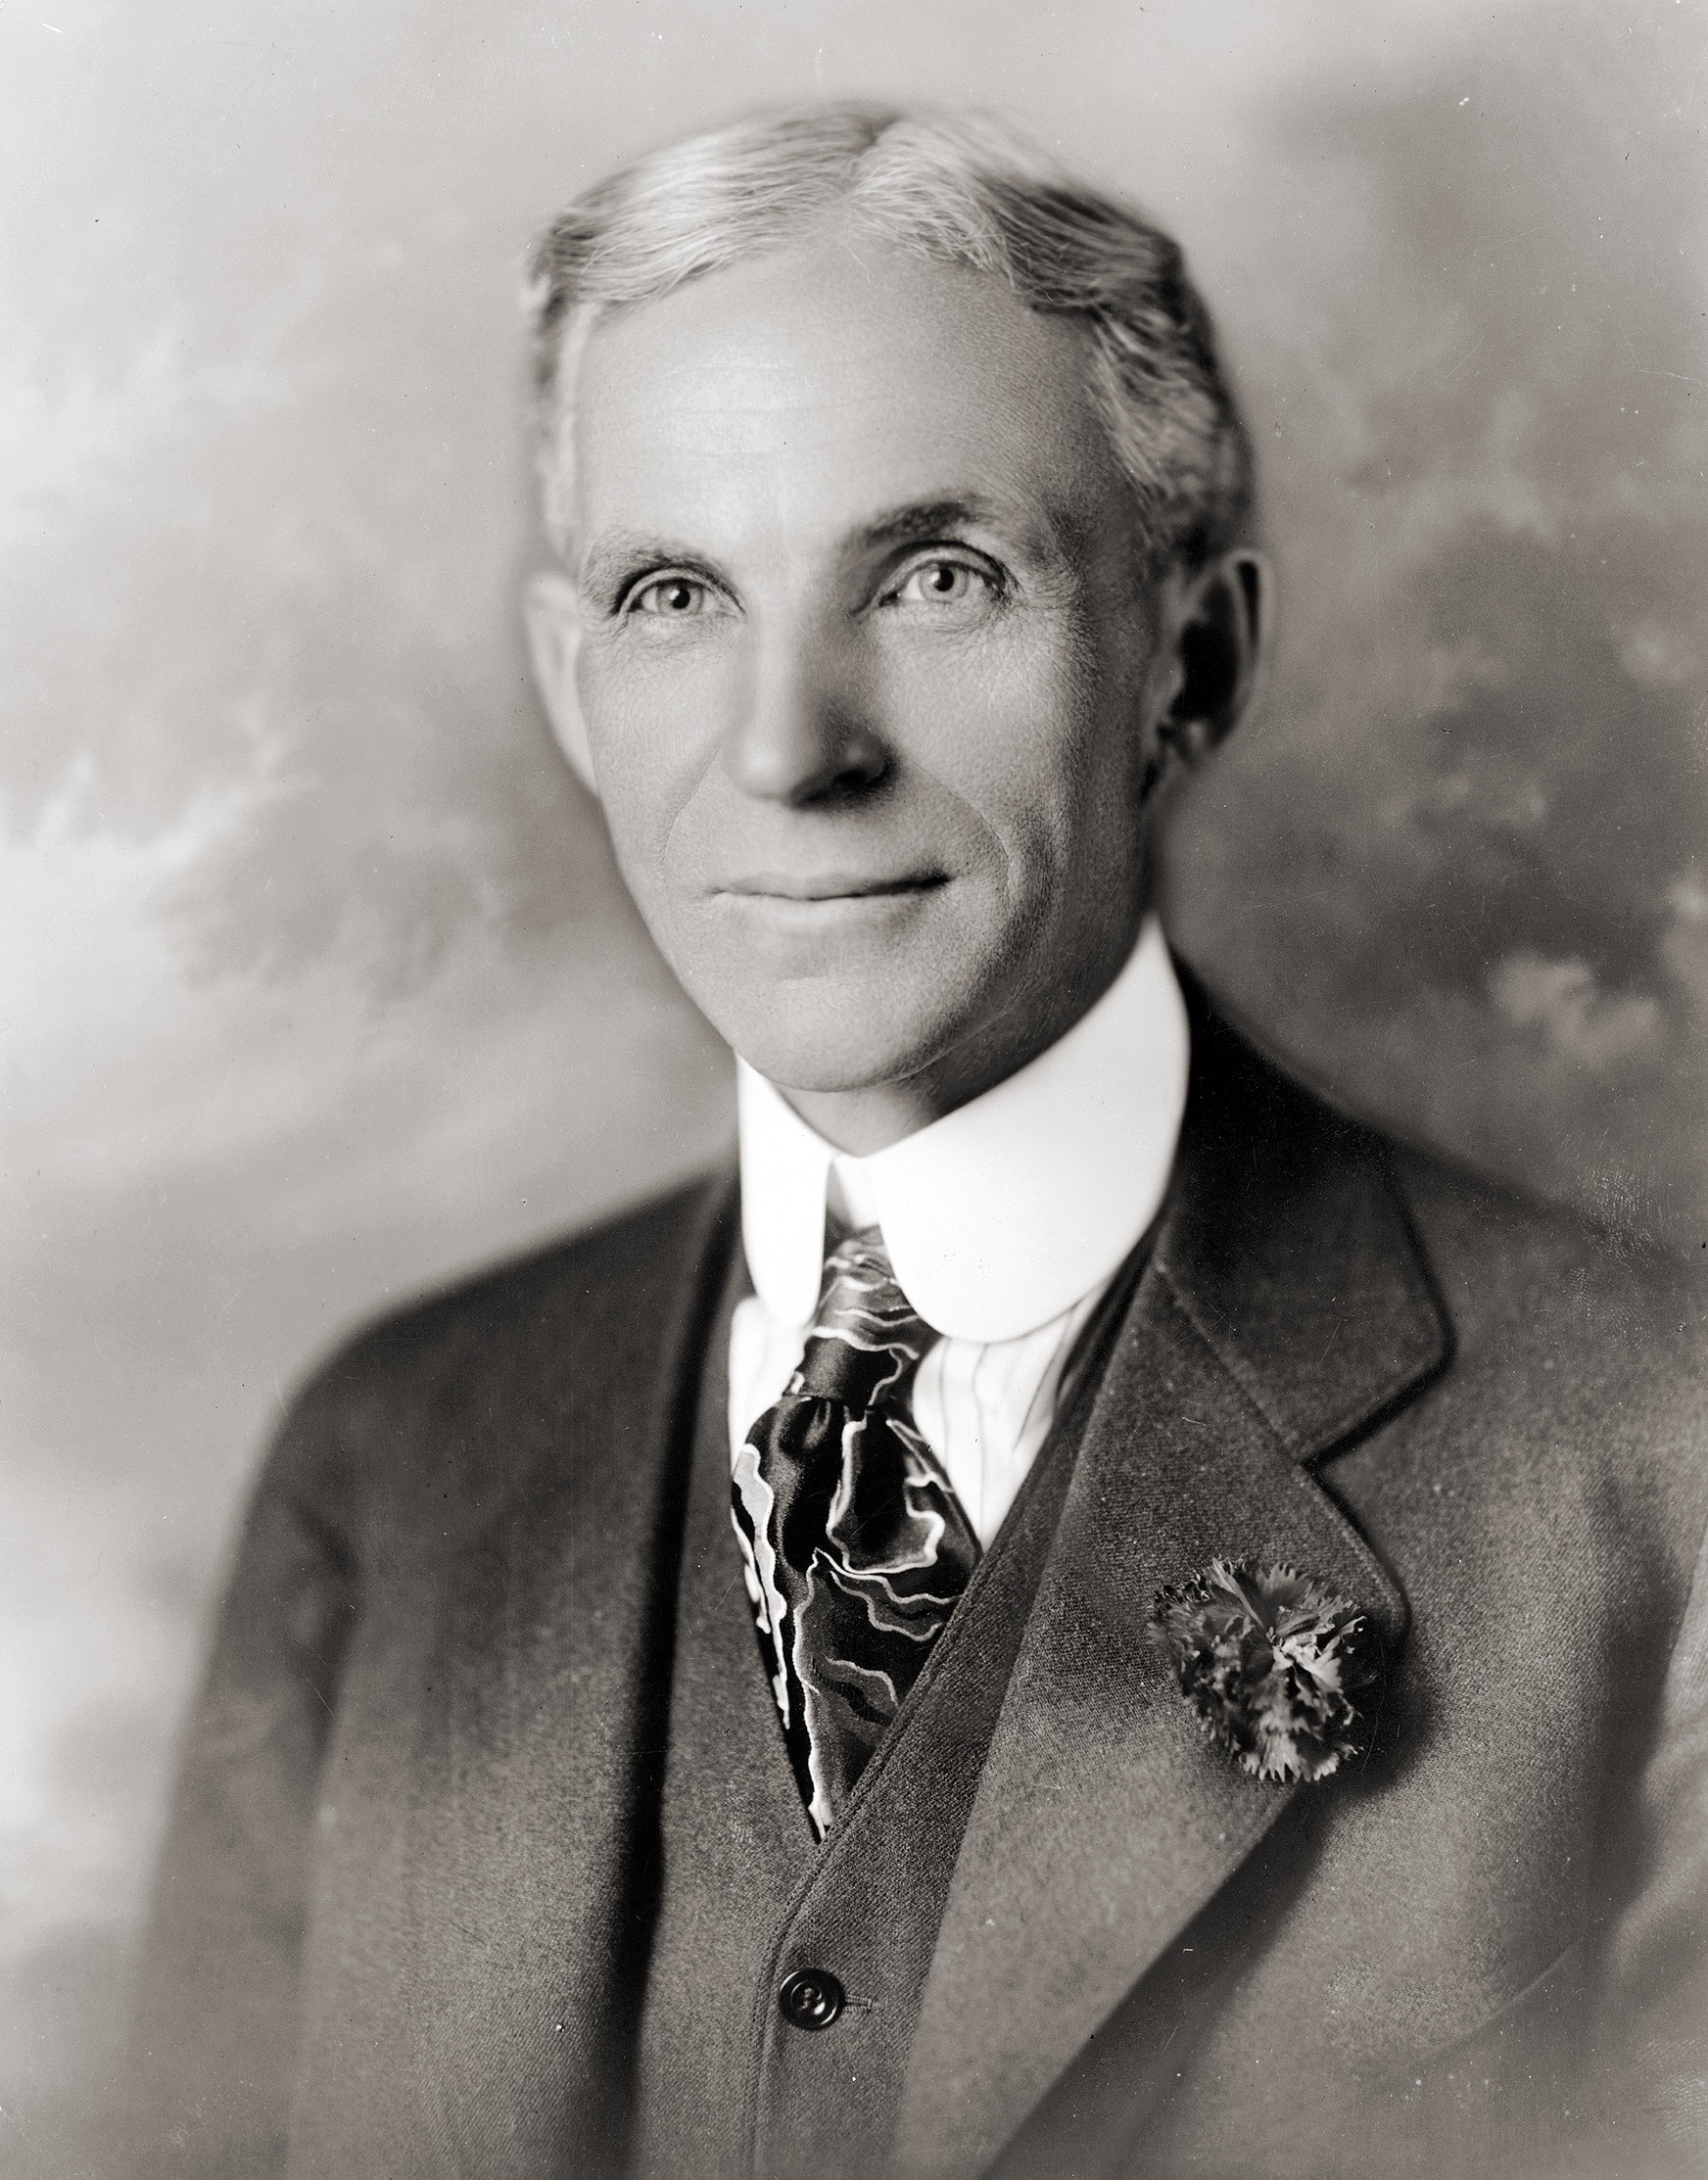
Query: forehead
[{"x": 800, "y": 392}]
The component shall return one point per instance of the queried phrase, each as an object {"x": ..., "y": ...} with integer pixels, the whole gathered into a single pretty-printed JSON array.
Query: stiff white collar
[{"x": 1009, "y": 1209}]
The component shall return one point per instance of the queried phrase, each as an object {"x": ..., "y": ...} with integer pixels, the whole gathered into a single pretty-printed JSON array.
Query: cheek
[
  {"x": 652, "y": 719},
  {"x": 1013, "y": 728}
]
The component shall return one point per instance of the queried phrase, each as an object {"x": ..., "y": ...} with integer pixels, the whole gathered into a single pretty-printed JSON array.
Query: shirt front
[{"x": 1003, "y": 1221}]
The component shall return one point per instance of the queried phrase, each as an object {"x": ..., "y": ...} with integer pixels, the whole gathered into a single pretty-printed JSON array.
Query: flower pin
[{"x": 1279, "y": 1670}]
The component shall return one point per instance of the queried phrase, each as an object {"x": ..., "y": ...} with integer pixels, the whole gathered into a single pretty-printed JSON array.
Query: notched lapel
[
  {"x": 1291, "y": 1251},
  {"x": 1284, "y": 1308}
]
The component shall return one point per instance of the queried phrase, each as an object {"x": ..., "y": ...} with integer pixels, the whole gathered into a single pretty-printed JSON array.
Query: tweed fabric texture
[
  {"x": 411, "y": 1881},
  {"x": 732, "y": 1840}
]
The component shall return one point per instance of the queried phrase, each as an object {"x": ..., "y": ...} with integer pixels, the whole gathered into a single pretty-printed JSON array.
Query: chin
[{"x": 832, "y": 1039}]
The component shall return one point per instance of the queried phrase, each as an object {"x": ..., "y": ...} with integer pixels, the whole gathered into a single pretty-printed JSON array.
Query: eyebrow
[
  {"x": 918, "y": 521},
  {"x": 621, "y": 550},
  {"x": 1043, "y": 536}
]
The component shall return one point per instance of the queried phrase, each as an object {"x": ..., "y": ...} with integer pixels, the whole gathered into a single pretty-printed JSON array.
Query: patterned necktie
[{"x": 855, "y": 1544}]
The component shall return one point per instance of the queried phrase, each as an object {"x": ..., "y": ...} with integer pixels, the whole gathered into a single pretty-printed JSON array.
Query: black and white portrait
[{"x": 856, "y": 940}]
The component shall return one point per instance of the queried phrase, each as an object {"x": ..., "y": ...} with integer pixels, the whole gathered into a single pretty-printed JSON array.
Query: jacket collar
[{"x": 1286, "y": 1307}]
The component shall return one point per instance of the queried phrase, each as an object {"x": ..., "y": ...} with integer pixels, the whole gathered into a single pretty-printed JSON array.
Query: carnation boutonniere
[{"x": 1278, "y": 1669}]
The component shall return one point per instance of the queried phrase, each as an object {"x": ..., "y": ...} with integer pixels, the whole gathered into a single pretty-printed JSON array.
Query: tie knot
[
  {"x": 866, "y": 1337},
  {"x": 860, "y": 1300}
]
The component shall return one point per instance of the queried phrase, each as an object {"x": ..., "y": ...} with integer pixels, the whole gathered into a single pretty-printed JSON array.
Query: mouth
[{"x": 829, "y": 886}]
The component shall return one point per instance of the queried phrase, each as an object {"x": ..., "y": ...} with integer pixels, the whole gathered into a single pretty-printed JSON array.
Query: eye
[
  {"x": 941, "y": 581},
  {"x": 672, "y": 597}
]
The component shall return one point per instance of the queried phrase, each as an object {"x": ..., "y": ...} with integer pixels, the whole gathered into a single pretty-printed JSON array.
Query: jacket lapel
[{"x": 1284, "y": 1308}]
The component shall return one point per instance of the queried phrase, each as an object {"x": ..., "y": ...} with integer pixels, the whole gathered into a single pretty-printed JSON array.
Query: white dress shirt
[{"x": 1005, "y": 1222}]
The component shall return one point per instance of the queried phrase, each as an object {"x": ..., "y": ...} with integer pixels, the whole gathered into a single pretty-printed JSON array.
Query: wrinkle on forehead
[{"x": 813, "y": 387}]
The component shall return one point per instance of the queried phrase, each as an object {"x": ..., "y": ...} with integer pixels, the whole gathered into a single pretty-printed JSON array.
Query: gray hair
[{"x": 963, "y": 190}]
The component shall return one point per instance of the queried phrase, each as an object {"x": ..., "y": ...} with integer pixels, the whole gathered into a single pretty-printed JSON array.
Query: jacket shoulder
[
  {"x": 1573, "y": 1344},
  {"x": 1509, "y": 1264},
  {"x": 1503, "y": 1263},
  {"x": 460, "y": 1386},
  {"x": 1585, "y": 1344}
]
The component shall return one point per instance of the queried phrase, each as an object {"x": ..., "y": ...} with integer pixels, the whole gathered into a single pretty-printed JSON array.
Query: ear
[
  {"x": 1216, "y": 638},
  {"x": 552, "y": 613}
]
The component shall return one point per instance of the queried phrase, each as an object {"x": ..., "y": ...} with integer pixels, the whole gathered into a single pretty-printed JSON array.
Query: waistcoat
[{"x": 726, "y": 2084}]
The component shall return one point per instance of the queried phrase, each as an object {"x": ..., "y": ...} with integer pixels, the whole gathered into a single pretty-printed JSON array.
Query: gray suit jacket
[{"x": 401, "y": 1923}]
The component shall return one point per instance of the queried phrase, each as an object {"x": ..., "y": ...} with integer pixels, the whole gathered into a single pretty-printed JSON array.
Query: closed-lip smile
[{"x": 827, "y": 885}]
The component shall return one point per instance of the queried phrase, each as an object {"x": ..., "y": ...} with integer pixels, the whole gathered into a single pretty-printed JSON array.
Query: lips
[{"x": 828, "y": 885}]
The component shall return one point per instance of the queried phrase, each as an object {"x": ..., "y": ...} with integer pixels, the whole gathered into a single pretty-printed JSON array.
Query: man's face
[{"x": 863, "y": 661}]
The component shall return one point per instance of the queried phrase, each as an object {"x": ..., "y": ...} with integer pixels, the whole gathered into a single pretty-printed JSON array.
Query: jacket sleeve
[
  {"x": 1656, "y": 2011},
  {"x": 215, "y": 2027}
]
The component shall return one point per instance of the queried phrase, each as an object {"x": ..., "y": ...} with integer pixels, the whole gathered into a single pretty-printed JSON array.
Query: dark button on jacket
[{"x": 811, "y": 1998}]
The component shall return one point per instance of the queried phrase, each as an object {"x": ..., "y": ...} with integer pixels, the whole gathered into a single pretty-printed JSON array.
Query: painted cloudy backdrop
[{"x": 315, "y": 983}]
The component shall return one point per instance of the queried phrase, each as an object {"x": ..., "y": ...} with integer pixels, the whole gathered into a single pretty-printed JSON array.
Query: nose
[{"x": 802, "y": 733}]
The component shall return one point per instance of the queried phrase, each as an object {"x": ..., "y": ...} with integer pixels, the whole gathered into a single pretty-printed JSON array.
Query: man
[{"x": 1092, "y": 1616}]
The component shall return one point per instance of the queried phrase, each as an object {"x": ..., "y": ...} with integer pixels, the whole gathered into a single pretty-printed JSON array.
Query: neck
[{"x": 876, "y": 1115}]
